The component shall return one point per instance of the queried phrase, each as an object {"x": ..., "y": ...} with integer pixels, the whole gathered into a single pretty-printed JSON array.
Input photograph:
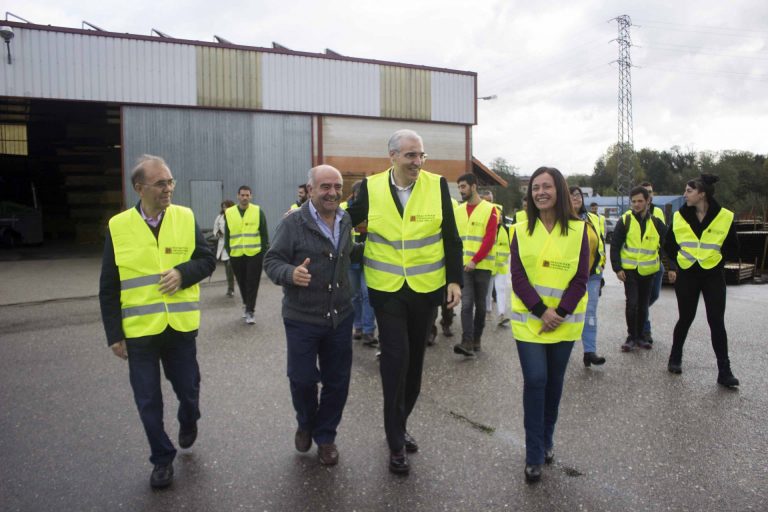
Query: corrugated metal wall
[
  {"x": 228, "y": 78},
  {"x": 453, "y": 97},
  {"x": 297, "y": 83},
  {"x": 49, "y": 64},
  {"x": 406, "y": 93},
  {"x": 271, "y": 153}
]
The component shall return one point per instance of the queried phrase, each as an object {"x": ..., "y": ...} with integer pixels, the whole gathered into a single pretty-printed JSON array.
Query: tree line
[{"x": 743, "y": 185}]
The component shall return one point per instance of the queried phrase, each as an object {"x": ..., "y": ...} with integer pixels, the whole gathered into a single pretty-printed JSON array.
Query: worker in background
[
  {"x": 365, "y": 321},
  {"x": 412, "y": 262},
  {"x": 501, "y": 279},
  {"x": 635, "y": 259},
  {"x": 521, "y": 215},
  {"x": 154, "y": 256},
  {"x": 219, "y": 227},
  {"x": 476, "y": 220},
  {"x": 658, "y": 276},
  {"x": 247, "y": 238},
  {"x": 700, "y": 233},
  {"x": 596, "y": 265},
  {"x": 301, "y": 197}
]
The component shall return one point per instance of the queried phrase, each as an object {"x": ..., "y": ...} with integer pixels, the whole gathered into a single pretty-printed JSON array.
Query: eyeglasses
[
  {"x": 413, "y": 155},
  {"x": 162, "y": 184}
]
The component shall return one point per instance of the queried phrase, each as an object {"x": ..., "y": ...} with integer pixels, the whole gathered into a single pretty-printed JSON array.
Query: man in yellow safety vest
[
  {"x": 154, "y": 256},
  {"x": 412, "y": 262}
]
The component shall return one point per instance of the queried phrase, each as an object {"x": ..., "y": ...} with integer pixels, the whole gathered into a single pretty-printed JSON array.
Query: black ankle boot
[
  {"x": 591, "y": 358},
  {"x": 726, "y": 378}
]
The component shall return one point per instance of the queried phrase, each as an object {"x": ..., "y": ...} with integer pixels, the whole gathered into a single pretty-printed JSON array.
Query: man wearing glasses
[
  {"x": 412, "y": 261},
  {"x": 246, "y": 239},
  {"x": 154, "y": 256}
]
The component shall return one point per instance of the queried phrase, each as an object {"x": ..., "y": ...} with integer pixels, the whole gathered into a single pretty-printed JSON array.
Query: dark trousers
[
  {"x": 543, "y": 366},
  {"x": 308, "y": 345},
  {"x": 404, "y": 322},
  {"x": 177, "y": 352},
  {"x": 637, "y": 290},
  {"x": 247, "y": 271},
  {"x": 473, "y": 304},
  {"x": 230, "y": 276},
  {"x": 711, "y": 285}
]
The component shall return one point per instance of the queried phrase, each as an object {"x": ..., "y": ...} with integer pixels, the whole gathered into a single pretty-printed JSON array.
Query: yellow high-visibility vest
[
  {"x": 642, "y": 255},
  {"x": 521, "y": 216},
  {"x": 294, "y": 206},
  {"x": 502, "y": 251},
  {"x": 550, "y": 260},
  {"x": 244, "y": 235},
  {"x": 597, "y": 223},
  {"x": 141, "y": 258},
  {"x": 472, "y": 230},
  {"x": 408, "y": 248},
  {"x": 706, "y": 250}
]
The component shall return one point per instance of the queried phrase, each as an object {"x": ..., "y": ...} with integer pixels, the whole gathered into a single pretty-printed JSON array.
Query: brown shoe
[
  {"x": 476, "y": 346},
  {"x": 464, "y": 348},
  {"x": 328, "y": 454},
  {"x": 303, "y": 440}
]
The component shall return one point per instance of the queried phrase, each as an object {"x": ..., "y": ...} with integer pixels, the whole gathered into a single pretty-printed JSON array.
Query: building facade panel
[
  {"x": 306, "y": 84},
  {"x": 453, "y": 98},
  {"x": 63, "y": 65},
  {"x": 271, "y": 153},
  {"x": 228, "y": 78},
  {"x": 360, "y": 145},
  {"x": 406, "y": 93}
]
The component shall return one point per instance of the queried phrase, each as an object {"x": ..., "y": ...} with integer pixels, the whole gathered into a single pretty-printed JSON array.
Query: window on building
[{"x": 13, "y": 139}]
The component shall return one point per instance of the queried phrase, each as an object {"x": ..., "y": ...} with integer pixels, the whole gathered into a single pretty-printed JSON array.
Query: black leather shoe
[
  {"x": 303, "y": 440},
  {"x": 187, "y": 436},
  {"x": 591, "y": 358},
  {"x": 549, "y": 456},
  {"x": 726, "y": 378},
  {"x": 447, "y": 331},
  {"x": 398, "y": 462},
  {"x": 532, "y": 473},
  {"x": 676, "y": 368},
  {"x": 410, "y": 444},
  {"x": 162, "y": 476}
]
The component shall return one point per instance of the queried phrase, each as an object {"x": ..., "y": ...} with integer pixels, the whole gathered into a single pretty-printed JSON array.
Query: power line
[
  {"x": 742, "y": 76},
  {"x": 699, "y": 51},
  {"x": 702, "y": 27}
]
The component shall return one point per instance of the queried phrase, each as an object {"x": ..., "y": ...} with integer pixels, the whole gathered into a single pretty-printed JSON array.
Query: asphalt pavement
[{"x": 631, "y": 436}]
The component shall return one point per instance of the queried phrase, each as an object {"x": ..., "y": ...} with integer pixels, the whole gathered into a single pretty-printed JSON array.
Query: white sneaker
[
  {"x": 503, "y": 320},
  {"x": 250, "y": 319},
  {"x": 244, "y": 313}
]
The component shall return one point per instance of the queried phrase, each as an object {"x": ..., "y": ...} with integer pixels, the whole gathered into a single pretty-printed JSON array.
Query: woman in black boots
[{"x": 700, "y": 233}]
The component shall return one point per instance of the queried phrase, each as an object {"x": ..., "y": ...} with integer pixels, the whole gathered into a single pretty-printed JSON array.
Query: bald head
[{"x": 324, "y": 185}]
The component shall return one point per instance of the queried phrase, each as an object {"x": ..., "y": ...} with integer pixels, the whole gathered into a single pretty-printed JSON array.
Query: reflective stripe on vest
[
  {"x": 550, "y": 261},
  {"x": 642, "y": 255},
  {"x": 472, "y": 230},
  {"x": 140, "y": 260},
  {"x": 707, "y": 250},
  {"x": 244, "y": 235},
  {"x": 407, "y": 248}
]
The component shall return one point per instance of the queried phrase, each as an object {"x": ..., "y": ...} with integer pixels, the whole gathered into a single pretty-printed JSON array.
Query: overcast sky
[{"x": 701, "y": 80}]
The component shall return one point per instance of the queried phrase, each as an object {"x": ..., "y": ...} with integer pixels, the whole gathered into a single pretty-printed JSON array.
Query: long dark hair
[
  {"x": 563, "y": 208},
  {"x": 705, "y": 183}
]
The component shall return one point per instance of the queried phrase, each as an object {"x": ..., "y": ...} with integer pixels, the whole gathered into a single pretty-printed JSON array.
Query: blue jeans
[
  {"x": 655, "y": 292},
  {"x": 589, "y": 334},
  {"x": 365, "y": 319},
  {"x": 543, "y": 366},
  {"x": 309, "y": 344},
  {"x": 177, "y": 351}
]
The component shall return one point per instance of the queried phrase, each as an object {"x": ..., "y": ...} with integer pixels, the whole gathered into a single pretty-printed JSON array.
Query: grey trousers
[{"x": 473, "y": 298}]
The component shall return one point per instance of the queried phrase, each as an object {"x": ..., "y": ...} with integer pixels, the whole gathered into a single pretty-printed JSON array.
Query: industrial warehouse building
[{"x": 77, "y": 107}]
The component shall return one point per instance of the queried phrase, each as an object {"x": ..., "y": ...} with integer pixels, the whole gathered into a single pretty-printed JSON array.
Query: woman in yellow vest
[
  {"x": 700, "y": 232},
  {"x": 596, "y": 266},
  {"x": 549, "y": 263}
]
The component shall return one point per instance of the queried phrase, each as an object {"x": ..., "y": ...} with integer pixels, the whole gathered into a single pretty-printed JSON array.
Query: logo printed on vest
[
  {"x": 557, "y": 265},
  {"x": 423, "y": 217},
  {"x": 176, "y": 250}
]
